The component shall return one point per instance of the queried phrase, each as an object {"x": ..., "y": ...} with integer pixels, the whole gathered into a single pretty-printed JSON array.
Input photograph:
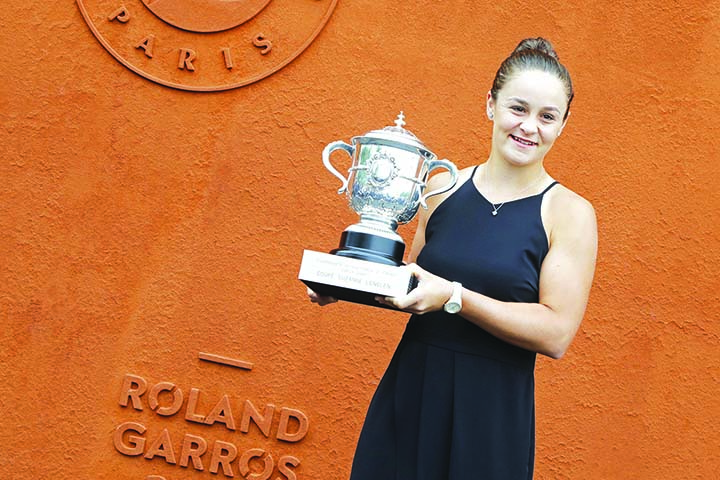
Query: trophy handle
[
  {"x": 339, "y": 145},
  {"x": 432, "y": 165}
]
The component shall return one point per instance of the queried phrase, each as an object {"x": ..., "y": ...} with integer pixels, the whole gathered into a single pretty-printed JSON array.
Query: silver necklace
[{"x": 517, "y": 195}]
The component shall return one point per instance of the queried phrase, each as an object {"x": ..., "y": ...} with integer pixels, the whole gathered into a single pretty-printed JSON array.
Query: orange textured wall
[{"x": 142, "y": 225}]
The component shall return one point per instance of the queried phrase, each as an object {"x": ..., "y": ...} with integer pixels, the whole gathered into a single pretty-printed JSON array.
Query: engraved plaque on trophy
[{"x": 385, "y": 185}]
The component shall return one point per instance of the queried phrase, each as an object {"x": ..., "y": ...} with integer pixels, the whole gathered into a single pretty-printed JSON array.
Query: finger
[
  {"x": 327, "y": 301},
  {"x": 321, "y": 300},
  {"x": 406, "y": 302},
  {"x": 389, "y": 301},
  {"x": 392, "y": 302}
]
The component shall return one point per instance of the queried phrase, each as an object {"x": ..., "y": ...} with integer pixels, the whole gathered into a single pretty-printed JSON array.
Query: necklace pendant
[{"x": 494, "y": 212}]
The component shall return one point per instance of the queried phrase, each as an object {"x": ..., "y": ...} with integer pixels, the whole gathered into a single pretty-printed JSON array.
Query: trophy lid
[{"x": 397, "y": 135}]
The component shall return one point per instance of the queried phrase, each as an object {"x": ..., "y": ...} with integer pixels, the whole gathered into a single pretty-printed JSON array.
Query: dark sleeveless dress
[{"x": 457, "y": 403}]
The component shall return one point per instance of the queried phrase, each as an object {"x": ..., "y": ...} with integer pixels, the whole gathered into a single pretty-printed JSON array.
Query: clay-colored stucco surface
[{"x": 141, "y": 226}]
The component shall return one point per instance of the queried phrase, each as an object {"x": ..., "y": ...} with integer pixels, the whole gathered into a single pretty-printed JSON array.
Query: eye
[
  {"x": 517, "y": 108},
  {"x": 548, "y": 117}
]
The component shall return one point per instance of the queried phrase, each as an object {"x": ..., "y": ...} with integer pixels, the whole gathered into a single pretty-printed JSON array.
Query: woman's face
[{"x": 528, "y": 116}]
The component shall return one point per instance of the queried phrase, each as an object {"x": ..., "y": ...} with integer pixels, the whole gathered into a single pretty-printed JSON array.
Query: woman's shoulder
[
  {"x": 563, "y": 199},
  {"x": 568, "y": 210}
]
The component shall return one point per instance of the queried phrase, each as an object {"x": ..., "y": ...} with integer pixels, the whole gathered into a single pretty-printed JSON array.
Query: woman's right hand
[{"x": 320, "y": 299}]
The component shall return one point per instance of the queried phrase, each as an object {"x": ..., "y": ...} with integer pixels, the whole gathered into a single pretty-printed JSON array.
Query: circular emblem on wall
[{"x": 206, "y": 45}]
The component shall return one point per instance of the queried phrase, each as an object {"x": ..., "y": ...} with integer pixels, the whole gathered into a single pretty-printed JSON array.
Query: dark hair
[{"x": 533, "y": 54}]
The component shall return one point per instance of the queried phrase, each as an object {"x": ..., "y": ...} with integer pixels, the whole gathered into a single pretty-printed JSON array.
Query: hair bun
[{"x": 538, "y": 44}]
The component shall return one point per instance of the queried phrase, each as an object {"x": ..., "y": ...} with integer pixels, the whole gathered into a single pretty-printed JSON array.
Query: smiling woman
[{"x": 494, "y": 289}]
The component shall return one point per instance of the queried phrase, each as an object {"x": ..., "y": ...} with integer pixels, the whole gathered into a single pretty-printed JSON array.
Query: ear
[
  {"x": 563, "y": 124},
  {"x": 490, "y": 106}
]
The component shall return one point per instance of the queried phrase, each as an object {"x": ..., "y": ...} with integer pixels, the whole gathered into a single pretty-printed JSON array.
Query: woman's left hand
[{"x": 430, "y": 294}]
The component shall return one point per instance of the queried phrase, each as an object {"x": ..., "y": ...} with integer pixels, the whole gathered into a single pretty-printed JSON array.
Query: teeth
[{"x": 523, "y": 141}]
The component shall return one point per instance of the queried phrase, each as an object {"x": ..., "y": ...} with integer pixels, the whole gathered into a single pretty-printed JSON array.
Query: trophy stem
[
  {"x": 373, "y": 239},
  {"x": 383, "y": 225}
]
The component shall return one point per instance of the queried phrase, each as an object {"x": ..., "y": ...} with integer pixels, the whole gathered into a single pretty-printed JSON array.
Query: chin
[{"x": 521, "y": 159}]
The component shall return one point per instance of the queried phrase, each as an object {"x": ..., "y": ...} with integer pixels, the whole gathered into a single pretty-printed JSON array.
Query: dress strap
[{"x": 549, "y": 187}]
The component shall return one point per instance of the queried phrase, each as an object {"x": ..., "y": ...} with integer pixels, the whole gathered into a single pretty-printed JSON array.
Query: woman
[{"x": 512, "y": 253}]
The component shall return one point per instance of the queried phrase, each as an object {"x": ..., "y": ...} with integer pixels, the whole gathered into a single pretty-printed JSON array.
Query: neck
[
  {"x": 501, "y": 181},
  {"x": 505, "y": 174}
]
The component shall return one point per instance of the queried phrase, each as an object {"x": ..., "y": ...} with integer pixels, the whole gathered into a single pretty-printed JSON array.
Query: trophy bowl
[{"x": 385, "y": 185}]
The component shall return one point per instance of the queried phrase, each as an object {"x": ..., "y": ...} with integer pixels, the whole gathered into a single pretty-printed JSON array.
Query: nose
[{"x": 529, "y": 125}]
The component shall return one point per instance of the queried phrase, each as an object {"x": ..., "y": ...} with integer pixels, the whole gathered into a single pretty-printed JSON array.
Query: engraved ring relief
[{"x": 206, "y": 45}]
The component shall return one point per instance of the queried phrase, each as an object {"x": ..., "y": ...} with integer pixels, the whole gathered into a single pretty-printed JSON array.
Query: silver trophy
[{"x": 385, "y": 185}]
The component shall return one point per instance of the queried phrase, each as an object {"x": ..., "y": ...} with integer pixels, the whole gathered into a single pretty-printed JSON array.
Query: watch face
[{"x": 452, "y": 307}]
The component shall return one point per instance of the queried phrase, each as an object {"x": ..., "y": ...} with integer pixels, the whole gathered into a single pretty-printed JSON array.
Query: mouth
[{"x": 524, "y": 142}]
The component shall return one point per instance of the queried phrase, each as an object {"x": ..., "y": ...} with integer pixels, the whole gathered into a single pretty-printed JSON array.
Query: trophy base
[
  {"x": 354, "y": 280},
  {"x": 371, "y": 248}
]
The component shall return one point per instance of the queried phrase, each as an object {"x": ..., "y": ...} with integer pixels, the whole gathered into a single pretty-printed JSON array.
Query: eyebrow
[{"x": 524, "y": 103}]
